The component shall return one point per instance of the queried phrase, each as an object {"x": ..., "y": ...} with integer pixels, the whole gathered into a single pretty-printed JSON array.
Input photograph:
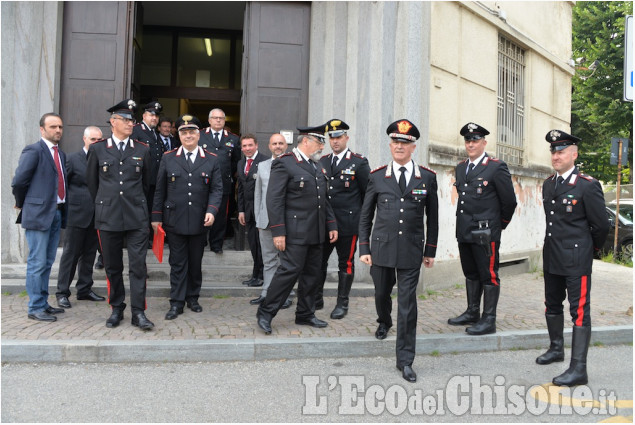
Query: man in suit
[
  {"x": 165, "y": 134},
  {"x": 277, "y": 147},
  {"x": 146, "y": 132},
  {"x": 39, "y": 188},
  {"x": 577, "y": 225},
  {"x": 300, "y": 217},
  {"x": 225, "y": 145},
  {"x": 348, "y": 178},
  {"x": 246, "y": 175},
  {"x": 485, "y": 207},
  {"x": 118, "y": 177},
  {"x": 80, "y": 237},
  {"x": 399, "y": 195},
  {"x": 189, "y": 191}
]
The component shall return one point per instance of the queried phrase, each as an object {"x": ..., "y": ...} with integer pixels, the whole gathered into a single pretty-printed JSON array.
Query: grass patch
[
  {"x": 598, "y": 344},
  {"x": 435, "y": 353},
  {"x": 6, "y": 293},
  {"x": 459, "y": 286},
  {"x": 619, "y": 259},
  {"x": 423, "y": 297},
  {"x": 23, "y": 293},
  {"x": 220, "y": 297}
]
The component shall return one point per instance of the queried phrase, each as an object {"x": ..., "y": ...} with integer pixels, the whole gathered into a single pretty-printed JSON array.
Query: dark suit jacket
[
  {"x": 346, "y": 189},
  {"x": 247, "y": 185},
  {"x": 80, "y": 205},
  {"x": 227, "y": 151},
  {"x": 185, "y": 193},
  {"x": 35, "y": 187},
  {"x": 486, "y": 193},
  {"x": 174, "y": 142},
  {"x": 297, "y": 204},
  {"x": 576, "y": 224},
  {"x": 144, "y": 134},
  {"x": 119, "y": 185},
  {"x": 398, "y": 239}
]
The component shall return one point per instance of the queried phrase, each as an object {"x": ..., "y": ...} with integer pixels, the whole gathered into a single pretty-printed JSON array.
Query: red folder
[{"x": 157, "y": 243}]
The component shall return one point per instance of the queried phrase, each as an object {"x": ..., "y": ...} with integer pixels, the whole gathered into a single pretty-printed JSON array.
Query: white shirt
[
  {"x": 117, "y": 141},
  {"x": 166, "y": 139},
  {"x": 475, "y": 162},
  {"x": 194, "y": 153},
  {"x": 52, "y": 151},
  {"x": 339, "y": 156},
  {"x": 395, "y": 169},
  {"x": 247, "y": 158},
  {"x": 565, "y": 175}
]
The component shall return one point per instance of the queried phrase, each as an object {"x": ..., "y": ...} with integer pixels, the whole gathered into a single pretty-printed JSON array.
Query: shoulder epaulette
[
  {"x": 586, "y": 177},
  {"x": 208, "y": 152},
  {"x": 379, "y": 168},
  {"x": 462, "y": 162},
  {"x": 428, "y": 169},
  {"x": 324, "y": 156},
  {"x": 357, "y": 155},
  {"x": 285, "y": 154},
  {"x": 550, "y": 177},
  {"x": 142, "y": 143},
  {"x": 170, "y": 151},
  {"x": 494, "y": 159},
  {"x": 100, "y": 140}
]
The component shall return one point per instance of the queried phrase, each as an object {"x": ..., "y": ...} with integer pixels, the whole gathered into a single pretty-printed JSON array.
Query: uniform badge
[
  {"x": 204, "y": 146},
  {"x": 575, "y": 201},
  {"x": 485, "y": 183},
  {"x": 105, "y": 168},
  {"x": 137, "y": 169},
  {"x": 301, "y": 184},
  {"x": 419, "y": 191},
  {"x": 347, "y": 184},
  {"x": 479, "y": 190},
  {"x": 569, "y": 208},
  {"x": 229, "y": 144},
  {"x": 173, "y": 178},
  {"x": 348, "y": 172},
  {"x": 564, "y": 201}
]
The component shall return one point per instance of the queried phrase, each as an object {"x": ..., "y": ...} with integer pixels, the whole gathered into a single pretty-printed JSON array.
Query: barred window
[{"x": 511, "y": 102}]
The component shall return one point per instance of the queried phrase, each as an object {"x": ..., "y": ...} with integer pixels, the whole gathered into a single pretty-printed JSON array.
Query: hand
[
  {"x": 209, "y": 219},
  {"x": 428, "y": 262},
  {"x": 280, "y": 242},
  {"x": 155, "y": 225},
  {"x": 17, "y": 208},
  {"x": 241, "y": 218},
  {"x": 333, "y": 236},
  {"x": 366, "y": 259}
]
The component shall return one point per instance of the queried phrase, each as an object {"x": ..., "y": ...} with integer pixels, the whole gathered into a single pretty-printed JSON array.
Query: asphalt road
[{"x": 482, "y": 387}]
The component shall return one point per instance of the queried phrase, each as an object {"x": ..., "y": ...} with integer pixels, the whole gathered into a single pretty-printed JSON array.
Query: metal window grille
[{"x": 511, "y": 102}]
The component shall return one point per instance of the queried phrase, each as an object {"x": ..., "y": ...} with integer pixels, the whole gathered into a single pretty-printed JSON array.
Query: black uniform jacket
[
  {"x": 247, "y": 185},
  {"x": 346, "y": 189},
  {"x": 398, "y": 239},
  {"x": 486, "y": 194},
  {"x": 297, "y": 203},
  {"x": 185, "y": 193},
  {"x": 148, "y": 136},
  {"x": 119, "y": 184},
  {"x": 80, "y": 205},
  {"x": 576, "y": 222},
  {"x": 227, "y": 152}
]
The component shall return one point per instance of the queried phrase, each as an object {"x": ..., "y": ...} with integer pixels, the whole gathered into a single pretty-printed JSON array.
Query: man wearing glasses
[
  {"x": 226, "y": 146},
  {"x": 118, "y": 178}
]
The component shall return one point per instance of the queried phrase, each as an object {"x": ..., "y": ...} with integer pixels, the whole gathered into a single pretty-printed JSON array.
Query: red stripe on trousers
[
  {"x": 349, "y": 263},
  {"x": 582, "y": 302},
  {"x": 491, "y": 264},
  {"x": 104, "y": 263}
]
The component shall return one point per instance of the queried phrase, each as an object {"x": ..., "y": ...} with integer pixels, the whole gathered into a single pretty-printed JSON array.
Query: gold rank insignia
[{"x": 404, "y": 127}]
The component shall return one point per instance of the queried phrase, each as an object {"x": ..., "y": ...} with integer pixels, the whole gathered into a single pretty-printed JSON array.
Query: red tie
[
  {"x": 249, "y": 162},
  {"x": 60, "y": 175}
]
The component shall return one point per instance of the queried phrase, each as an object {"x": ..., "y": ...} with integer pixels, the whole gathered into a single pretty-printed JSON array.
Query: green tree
[{"x": 598, "y": 112}]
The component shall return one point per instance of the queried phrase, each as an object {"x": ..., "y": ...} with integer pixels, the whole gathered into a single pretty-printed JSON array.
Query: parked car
[
  {"x": 624, "y": 233},
  {"x": 626, "y": 208}
]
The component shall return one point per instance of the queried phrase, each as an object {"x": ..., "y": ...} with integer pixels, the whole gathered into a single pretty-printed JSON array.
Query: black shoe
[
  {"x": 217, "y": 251},
  {"x": 42, "y": 316},
  {"x": 115, "y": 318},
  {"x": 141, "y": 321},
  {"x": 63, "y": 302},
  {"x": 313, "y": 321},
  {"x": 91, "y": 296},
  {"x": 257, "y": 301},
  {"x": 319, "y": 304},
  {"x": 468, "y": 317},
  {"x": 407, "y": 373},
  {"x": 249, "y": 281},
  {"x": 256, "y": 282},
  {"x": 100, "y": 263},
  {"x": 194, "y": 306},
  {"x": 173, "y": 313},
  {"x": 53, "y": 310},
  {"x": 382, "y": 331},
  {"x": 264, "y": 324},
  {"x": 288, "y": 303}
]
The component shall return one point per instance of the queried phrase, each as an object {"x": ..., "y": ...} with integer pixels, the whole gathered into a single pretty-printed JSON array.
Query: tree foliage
[{"x": 598, "y": 112}]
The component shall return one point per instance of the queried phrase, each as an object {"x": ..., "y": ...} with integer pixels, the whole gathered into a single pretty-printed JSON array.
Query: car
[
  {"x": 626, "y": 208},
  {"x": 624, "y": 234}
]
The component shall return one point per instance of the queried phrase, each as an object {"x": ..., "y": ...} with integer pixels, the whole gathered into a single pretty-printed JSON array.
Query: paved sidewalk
[{"x": 232, "y": 320}]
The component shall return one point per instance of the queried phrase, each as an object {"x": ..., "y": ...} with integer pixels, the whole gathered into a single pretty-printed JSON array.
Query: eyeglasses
[
  {"x": 217, "y": 118},
  {"x": 126, "y": 120}
]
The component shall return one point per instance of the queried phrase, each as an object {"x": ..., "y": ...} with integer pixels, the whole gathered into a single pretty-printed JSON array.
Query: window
[{"x": 511, "y": 102}]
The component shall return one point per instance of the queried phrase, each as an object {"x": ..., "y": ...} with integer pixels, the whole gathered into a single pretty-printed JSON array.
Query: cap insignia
[
  {"x": 404, "y": 127},
  {"x": 471, "y": 126},
  {"x": 131, "y": 104},
  {"x": 554, "y": 135}
]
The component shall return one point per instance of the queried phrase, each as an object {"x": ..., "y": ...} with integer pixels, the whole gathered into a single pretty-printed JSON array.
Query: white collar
[
  {"x": 477, "y": 161},
  {"x": 409, "y": 165},
  {"x": 340, "y": 155},
  {"x": 566, "y": 175}
]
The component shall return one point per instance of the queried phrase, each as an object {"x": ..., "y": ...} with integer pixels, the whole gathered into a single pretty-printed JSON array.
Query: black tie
[
  {"x": 335, "y": 160},
  {"x": 121, "y": 144},
  {"x": 470, "y": 168},
  {"x": 402, "y": 179},
  {"x": 189, "y": 159},
  {"x": 560, "y": 181},
  {"x": 216, "y": 137},
  {"x": 166, "y": 143}
]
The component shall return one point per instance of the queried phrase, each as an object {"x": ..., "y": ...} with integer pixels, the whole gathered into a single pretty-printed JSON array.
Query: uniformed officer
[
  {"x": 146, "y": 132},
  {"x": 227, "y": 148},
  {"x": 577, "y": 224},
  {"x": 485, "y": 207},
  {"x": 118, "y": 177},
  {"x": 348, "y": 177},
  {"x": 399, "y": 195},
  {"x": 189, "y": 191},
  {"x": 300, "y": 216}
]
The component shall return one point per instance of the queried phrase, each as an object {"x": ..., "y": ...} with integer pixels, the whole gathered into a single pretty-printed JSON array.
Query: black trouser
[
  {"x": 217, "y": 231},
  {"x": 112, "y": 252},
  {"x": 477, "y": 265},
  {"x": 298, "y": 263},
  {"x": 186, "y": 257},
  {"x": 346, "y": 247},
  {"x": 150, "y": 202},
  {"x": 253, "y": 237},
  {"x": 578, "y": 288},
  {"x": 408, "y": 279},
  {"x": 80, "y": 246}
]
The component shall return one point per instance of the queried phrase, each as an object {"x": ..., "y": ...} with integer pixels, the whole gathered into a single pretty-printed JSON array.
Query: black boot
[
  {"x": 343, "y": 289},
  {"x": 474, "y": 290},
  {"x": 487, "y": 324},
  {"x": 576, "y": 374},
  {"x": 319, "y": 293},
  {"x": 555, "y": 353}
]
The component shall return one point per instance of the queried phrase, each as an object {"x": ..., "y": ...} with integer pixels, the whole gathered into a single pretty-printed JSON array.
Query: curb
[{"x": 191, "y": 351}]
